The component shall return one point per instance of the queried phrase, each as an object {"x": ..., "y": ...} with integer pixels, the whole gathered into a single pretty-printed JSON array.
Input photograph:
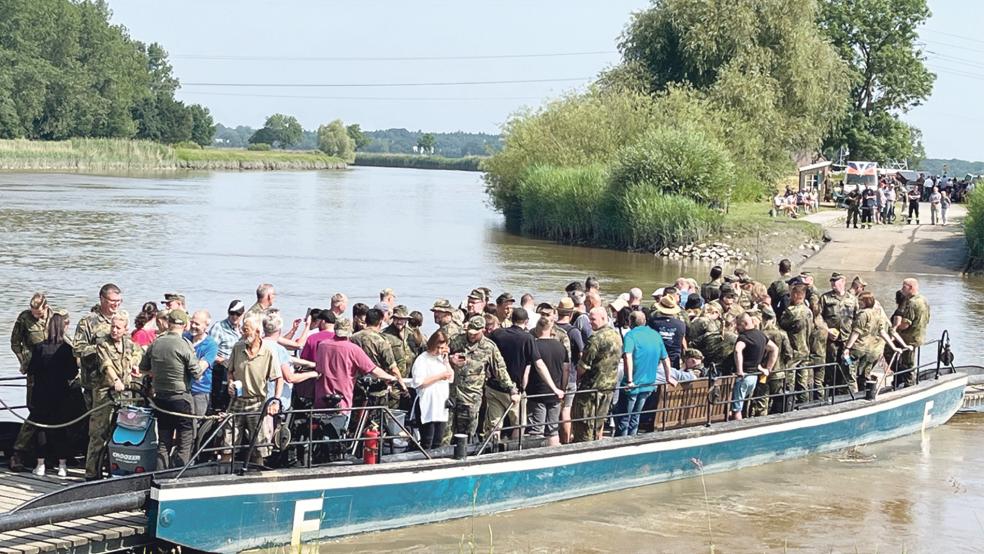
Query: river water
[{"x": 429, "y": 234}]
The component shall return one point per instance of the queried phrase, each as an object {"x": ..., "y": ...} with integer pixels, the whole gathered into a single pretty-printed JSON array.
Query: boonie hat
[
  {"x": 401, "y": 312},
  {"x": 565, "y": 305},
  {"x": 237, "y": 307},
  {"x": 177, "y": 317},
  {"x": 442, "y": 305},
  {"x": 836, "y": 276},
  {"x": 858, "y": 281},
  {"x": 667, "y": 306},
  {"x": 475, "y": 323},
  {"x": 343, "y": 328}
]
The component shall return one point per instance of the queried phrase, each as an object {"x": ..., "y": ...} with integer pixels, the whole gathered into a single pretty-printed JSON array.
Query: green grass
[
  {"x": 974, "y": 227},
  {"x": 123, "y": 155},
  {"x": 753, "y": 217},
  {"x": 415, "y": 161}
]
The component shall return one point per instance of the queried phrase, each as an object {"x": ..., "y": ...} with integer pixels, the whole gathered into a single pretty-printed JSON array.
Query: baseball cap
[
  {"x": 836, "y": 276},
  {"x": 177, "y": 317},
  {"x": 171, "y": 297},
  {"x": 727, "y": 289},
  {"x": 237, "y": 307},
  {"x": 477, "y": 294},
  {"x": 475, "y": 323},
  {"x": 442, "y": 305},
  {"x": 327, "y": 316},
  {"x": 343, "y": 328},
  {"x": 504, "y": 297}
]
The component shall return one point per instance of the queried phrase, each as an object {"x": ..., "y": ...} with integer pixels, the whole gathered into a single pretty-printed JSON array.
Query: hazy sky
[{"x": 305, "y": 42}]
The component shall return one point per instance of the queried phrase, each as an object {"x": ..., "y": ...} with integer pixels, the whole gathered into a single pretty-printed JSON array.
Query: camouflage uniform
[
  {"x": 778, "y": 289},
  {"x": 838, "y": 312},
  {"x": 868, "y": 347},
  {"x": 818, "y": 356},
  {"x": 450, "y": 329},
  {"x": 598, "y": 366},
  {"x": 719, "y": 350},
  {"x": 711, "y": 290},
  {"x": 115, "y": 359},
  {"x": 402, "y": 354},
  {"x": 699, "y": 328},
  {"x": 27, "y": 333},
  {"x": 483, "y": 364},
  {"x": 91, "y": 330},
  {"x": 735, "y": 309},
  {"x": 915, "y": 312},
  {"x": 797, "y": 322},
  {"x": 380, "y": 352},
  {"x": 775, "y": 384},
  {"x": 744, "y": 298}
]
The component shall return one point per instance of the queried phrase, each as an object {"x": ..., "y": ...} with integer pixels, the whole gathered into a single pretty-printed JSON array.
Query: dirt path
[{"x": 911, "y": 249}]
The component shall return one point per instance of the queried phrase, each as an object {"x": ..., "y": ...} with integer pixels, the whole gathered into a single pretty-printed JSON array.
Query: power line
[
  {"x": 351, "y": 85},
  {"x": 956, "y": 60},
  {"x": 389, "y": 58},
  {"x": 924, "y": 42},
  {"x": 387, "y": 98},
  {"x": 954, "y": 35}
]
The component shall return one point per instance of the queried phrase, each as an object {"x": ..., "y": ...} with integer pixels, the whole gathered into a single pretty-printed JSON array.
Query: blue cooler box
[{"x": 133, "y": 448}]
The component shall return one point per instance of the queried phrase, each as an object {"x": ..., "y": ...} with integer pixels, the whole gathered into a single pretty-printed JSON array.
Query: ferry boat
[{"x": 231, "y": 507}]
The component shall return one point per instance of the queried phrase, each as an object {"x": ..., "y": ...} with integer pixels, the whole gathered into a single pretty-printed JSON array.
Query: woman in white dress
[{"x": 432, "y": 376}]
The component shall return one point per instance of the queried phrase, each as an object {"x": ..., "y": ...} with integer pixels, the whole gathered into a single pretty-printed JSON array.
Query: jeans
[
  {"x": 743, "y": 387},
  {"x": 627, "y": 412}
]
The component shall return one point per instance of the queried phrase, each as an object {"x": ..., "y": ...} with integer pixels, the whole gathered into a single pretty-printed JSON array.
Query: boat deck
[
  {"x": 974, "y": 397},
  {"x": 105, "y": 533}
]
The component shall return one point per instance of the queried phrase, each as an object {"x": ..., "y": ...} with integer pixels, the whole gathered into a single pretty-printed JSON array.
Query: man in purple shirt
[{"x": 339, "y": 362}]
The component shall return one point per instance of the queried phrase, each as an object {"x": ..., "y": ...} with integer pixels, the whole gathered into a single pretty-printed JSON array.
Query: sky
[{"x": 541, "y": 49}]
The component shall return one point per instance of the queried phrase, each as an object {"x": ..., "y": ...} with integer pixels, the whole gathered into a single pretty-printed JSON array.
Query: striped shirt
[{"x": 226, "y": 336}]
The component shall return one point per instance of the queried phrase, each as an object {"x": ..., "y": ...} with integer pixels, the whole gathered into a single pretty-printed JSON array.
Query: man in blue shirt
[
  {"x": 206, "y": 349},
  {"x": 645, "y": 356}
]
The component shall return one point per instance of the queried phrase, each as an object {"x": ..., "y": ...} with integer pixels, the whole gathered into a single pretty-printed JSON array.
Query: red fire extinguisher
[{"x": 370, "y": 448}]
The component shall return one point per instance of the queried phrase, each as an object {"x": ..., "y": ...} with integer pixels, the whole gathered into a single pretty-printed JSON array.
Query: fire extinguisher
[{"x": 370, "y": 448}]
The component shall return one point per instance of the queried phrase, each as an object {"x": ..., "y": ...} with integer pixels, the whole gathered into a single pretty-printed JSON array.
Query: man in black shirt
[
  {"x": 751, "y": 349},
  {"x": 665, "y": 321},
  {"x": 544, "y": 405},
  {"x": 518, "y": 349}
]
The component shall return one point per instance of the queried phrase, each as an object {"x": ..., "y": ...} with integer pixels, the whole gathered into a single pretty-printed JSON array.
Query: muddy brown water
[{"x": 429, "y": 234}]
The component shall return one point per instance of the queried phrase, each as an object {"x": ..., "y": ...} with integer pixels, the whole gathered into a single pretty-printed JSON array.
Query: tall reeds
[
  {"x": 84, "y": 154},
  {"x": 974, "y": 226},
  {"x": 414, "y": 161}
]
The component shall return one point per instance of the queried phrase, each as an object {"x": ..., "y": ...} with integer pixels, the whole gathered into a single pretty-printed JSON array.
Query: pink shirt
[
  {"x": 339, "y": 362},
  {"x": 144, "y": 337},
  {"x": 311, "y": 344}
]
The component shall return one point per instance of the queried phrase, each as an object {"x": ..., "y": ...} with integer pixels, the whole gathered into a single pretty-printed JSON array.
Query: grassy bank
[
  {"x": 974, "y": 228},
  {"x": 582, "y": 206},
  {"x": 125, "y": 155},
  {"x": 413, "y": 161}
]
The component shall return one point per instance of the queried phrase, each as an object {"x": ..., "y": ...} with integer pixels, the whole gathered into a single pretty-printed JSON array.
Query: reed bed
[
  {"x": 414, "y": 161},
  {"x": 974, "y": 227},
  {"x": 85, "y": 154}
]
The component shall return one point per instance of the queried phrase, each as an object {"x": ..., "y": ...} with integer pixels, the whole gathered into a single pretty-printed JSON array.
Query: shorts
[
  {"x": 569, "y": 394},
  {"x": 543, "y": 417}
]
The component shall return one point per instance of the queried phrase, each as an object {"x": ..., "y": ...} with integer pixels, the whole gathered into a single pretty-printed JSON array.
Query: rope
[{"x": 55, "y": 425}]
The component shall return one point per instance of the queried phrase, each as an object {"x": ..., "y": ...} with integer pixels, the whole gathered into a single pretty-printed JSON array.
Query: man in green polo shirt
[{"x": 171, "y": 363}]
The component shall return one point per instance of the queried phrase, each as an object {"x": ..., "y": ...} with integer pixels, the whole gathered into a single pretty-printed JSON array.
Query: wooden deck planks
[{"x": 74, "y": 534}]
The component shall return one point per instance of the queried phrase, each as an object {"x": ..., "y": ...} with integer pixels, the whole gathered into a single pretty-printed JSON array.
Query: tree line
[{"x": 66, "y": 72}]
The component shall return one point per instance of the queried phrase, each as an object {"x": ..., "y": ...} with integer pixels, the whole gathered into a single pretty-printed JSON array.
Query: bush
[
  {"x": 564, "y": 204},
  {"x": 669, "y": 161},
  {"x": 188, "y": 145},
  {"x": 334, "y": 140},
  {"x": 259, "y": 147},
  {"x": 974, "y": 225},
  {"x": 647, "y": 221}
]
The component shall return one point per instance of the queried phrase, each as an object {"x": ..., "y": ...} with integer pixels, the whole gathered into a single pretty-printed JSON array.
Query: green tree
[
  {"x": 426, "y": 143},
  {"x": 887, "y": 72},
  {"x": 360, "y": 138},
  {"x": 762, "y": 60},
  {"x": 334, "y": 140},
  {"x": 202, "y": 126},
  {"x": 279, "y": 131}
]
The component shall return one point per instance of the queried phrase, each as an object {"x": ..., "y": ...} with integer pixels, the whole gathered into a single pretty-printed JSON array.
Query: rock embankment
[{"x": 719, "y": 252}]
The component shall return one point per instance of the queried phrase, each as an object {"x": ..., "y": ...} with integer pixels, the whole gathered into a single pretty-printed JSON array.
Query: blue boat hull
[{"x": 230, "y": 513}]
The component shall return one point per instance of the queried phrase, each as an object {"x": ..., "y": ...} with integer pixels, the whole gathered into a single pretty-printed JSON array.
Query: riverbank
[
  {"x": 109, "y": 155},
  {"x": 911, "y": 249},
  {"x": 414, "y": 161}
]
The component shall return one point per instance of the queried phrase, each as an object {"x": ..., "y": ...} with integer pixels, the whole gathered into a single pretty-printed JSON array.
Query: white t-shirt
[{"x": 432, "y": 399}]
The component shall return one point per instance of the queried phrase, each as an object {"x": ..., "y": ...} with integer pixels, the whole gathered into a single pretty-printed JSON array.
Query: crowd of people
[{"x": 558, "y": 370}]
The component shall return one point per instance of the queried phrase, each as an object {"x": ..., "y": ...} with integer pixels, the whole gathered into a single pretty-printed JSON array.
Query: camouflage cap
[
  {"x": 693, "y": 353},
  {"x": 477, "y": 294},
  {"x": 727, "y": 290},
  {"x": 343, "y": 328},
  {"x": 767, "y": 312},
  {"x": 836, "y": 276},
  {"x": 177, "y": 317},
  {"x": 442, "y": 305},
  {"x": 858, "y": 281},
  {"x": 475, "y": 323},
  {"x": 401, "y": 312},
  {"x": 504, "y": 297}
]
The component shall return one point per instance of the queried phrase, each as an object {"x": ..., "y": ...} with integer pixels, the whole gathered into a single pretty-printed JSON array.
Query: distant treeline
[
  {"x": 953, "y": 167},
  {"x": 389, "y": 141},
  {"x": 416, "y": 161},
  {"x": 66, "y": 72}
]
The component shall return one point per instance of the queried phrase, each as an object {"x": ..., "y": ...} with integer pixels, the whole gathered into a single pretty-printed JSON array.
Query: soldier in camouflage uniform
[
  {"x": 30, "y": 329},
  {"x": 709, "y": 322},
  {"x": 596, "y": 371},
  {"x": 719, "y": 347},
  {"x": 869, "y": 335},
  {"x": 912, "y": 329},
  {"x": 378, "y": 348},
  {"x": 119, "y": 362},
  {"x": 92, "y": 329},
  {"x": 838, "y": 308},
  {"x": 727, "y": 303},
  {"x": 797, "y": 322},
  {"x": 444, "y": 318},
  {"x": 711, "y": 290},
  {"x": 776, "y": 383},
  {"x": 780, "y": 286},
  {"x": 397, "y": 334},
  {"x": 477, "y": 362},
  {"x": 818, "y": 348}
]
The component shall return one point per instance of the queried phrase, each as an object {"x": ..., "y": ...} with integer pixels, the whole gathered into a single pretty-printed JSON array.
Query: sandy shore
[{"x": 913, "y": 249}]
